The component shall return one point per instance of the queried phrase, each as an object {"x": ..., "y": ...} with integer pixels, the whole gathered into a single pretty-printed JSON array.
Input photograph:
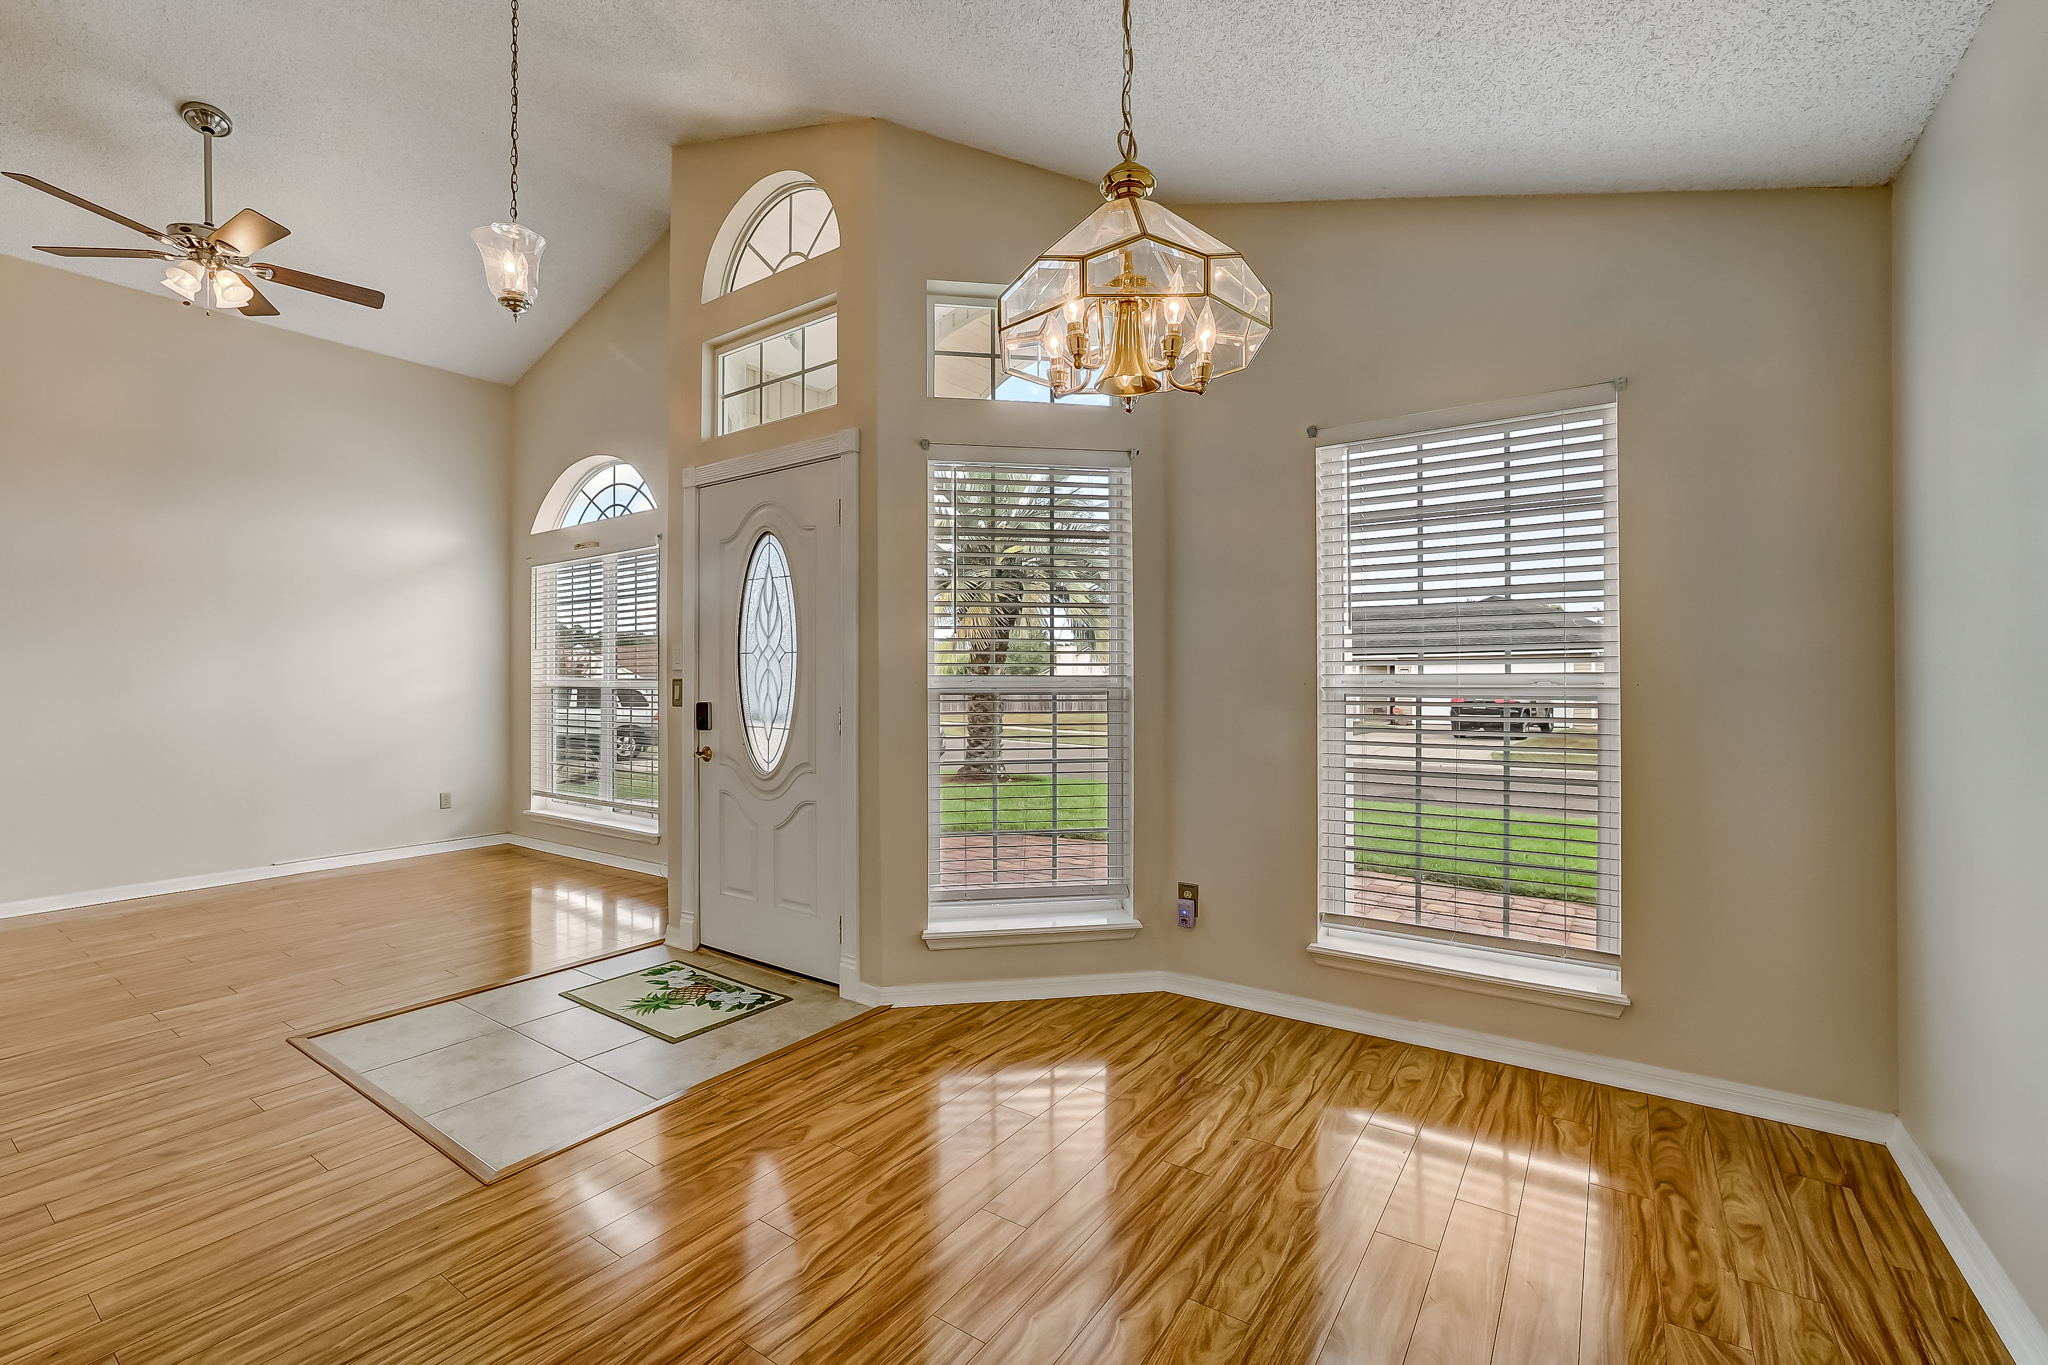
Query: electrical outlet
[
  {"x": 447, "y": 800},
  {"x": 1189, "y": 905}
]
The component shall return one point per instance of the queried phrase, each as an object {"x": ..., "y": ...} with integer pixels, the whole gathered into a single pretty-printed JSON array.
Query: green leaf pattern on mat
[{"x": 682, "y": 987}]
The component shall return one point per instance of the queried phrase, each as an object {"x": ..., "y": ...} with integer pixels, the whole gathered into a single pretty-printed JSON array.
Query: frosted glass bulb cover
[
  {"x": 231, "y": 290},
  {"x": 511, "y": 254},
  {"x": 184, "y": 278}
]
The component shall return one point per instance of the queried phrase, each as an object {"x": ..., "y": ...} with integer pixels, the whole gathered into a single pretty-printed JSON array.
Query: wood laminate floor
[{"x": 1134, "y": 1179}]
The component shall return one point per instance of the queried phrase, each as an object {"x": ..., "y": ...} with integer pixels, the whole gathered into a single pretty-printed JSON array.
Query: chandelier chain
[
  {"x": 515, "y": 111},
  {"x": 1126, "y": 141}
]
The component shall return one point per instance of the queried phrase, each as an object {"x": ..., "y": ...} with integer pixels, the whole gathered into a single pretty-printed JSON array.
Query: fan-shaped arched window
[
  {"x": 595, "y": 489},
  {"x": 784, "y": 220}
]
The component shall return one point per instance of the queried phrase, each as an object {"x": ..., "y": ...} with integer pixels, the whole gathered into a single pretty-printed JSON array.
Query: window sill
[
  {"x": 1052, "y": 924},
  {"x": 1585, "y": 987},
  {"x": 611, "y": 829}
]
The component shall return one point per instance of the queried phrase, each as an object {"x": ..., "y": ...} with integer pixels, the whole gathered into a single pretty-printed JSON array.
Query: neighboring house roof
[{"x": 1490, "y": 625}]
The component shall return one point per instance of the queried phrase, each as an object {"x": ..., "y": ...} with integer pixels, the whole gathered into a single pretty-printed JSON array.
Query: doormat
[{"x": 675, "y": 1000}]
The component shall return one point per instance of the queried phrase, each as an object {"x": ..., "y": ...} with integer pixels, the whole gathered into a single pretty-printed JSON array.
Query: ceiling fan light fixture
[
  {"x": 184, "y": 278},
  {"x": 511, "y": 255}
]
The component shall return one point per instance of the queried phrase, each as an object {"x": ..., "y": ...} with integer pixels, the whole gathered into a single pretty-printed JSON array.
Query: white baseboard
[
  {"x": 133, "y": 891},
  {"x": 1824, "y": 1115},
  {"x": 587, "y": 855},
  {"x": 2026, "y": 1339},
  {"x": 108, "y": 895},
  {"x": 1012, "y": 988}
]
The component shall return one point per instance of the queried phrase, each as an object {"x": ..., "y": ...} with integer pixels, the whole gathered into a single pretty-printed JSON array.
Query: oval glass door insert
[{"x": 767, "y": 652}]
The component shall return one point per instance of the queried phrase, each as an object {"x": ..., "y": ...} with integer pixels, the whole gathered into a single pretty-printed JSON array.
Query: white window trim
[
  {"x": 603, "y": 822},
  {"x": 716, "y": 352},
  {"x": 995, "y": 920},
  {"x": 1577, "y": 984},
  {"x": 595, "y": 824}
]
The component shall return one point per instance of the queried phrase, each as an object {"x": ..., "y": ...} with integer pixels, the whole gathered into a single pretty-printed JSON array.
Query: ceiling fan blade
[
  {"x": 248, "y": 232},
  {"x": 136, "y": 251},
  {"x": 320, "y": 284},
  {"x": 47, "y": 188},
  {"x": 257, "y": 306}
]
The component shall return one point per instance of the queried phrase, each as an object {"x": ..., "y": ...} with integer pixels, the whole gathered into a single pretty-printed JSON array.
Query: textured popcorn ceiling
[{"x": 375, "y": 128}]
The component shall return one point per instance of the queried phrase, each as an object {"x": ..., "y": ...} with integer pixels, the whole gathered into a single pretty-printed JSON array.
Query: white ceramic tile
[
  {"x": 383, "y": 1041},
  {"x": 661, "y": 1068},
  {"x": 524, "y": 1000},
  {"x": 633, "y": 961},
  {"x": 538, "y": 1115},
  {"x": 447, "y": 1076},
  {"x": 581, "y": 1031}
]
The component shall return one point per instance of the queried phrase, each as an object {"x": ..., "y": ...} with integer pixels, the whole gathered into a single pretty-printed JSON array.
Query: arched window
[
  {"x": 784, "y": 220},
  {"x": 595, "y": 489}
]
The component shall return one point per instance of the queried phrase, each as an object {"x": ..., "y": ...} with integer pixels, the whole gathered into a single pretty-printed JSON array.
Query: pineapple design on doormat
[{"x": 674, "y": 1000}]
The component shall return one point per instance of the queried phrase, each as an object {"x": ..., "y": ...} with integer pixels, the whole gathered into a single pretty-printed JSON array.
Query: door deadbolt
[{"x": 704, "y": 753}]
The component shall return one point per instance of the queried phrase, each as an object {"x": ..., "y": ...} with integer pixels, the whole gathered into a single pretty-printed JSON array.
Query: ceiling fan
[{"x": 210, "y": 265}]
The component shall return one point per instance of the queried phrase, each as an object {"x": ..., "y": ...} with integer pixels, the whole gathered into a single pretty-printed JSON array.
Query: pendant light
[
  {"x": 511, "y": 251},
  {"x": 1136, "y": 300}
]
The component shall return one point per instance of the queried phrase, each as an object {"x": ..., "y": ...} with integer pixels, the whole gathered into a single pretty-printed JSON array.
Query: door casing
[{"x": 843, "y": 861}]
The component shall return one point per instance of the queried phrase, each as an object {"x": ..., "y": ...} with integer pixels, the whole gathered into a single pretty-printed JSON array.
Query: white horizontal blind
[
  {"x": 596, "y": 709},
  {"x": 1469, "y": 706},
  {"x": 1030, "y": 683}
]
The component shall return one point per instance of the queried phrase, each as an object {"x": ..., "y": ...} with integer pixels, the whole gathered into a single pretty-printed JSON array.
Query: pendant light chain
[
  {"x": 1126, "y": 141},
  {"x": 515, "y": 111}
]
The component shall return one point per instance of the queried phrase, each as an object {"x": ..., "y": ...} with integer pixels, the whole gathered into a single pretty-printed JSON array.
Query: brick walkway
[
  {"x": 1473, "y": 911},
  {"x": 979, "y": 860}
]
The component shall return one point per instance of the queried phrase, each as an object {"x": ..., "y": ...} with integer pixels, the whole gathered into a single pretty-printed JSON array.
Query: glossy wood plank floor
[{"x": 1132, "y": 1179}]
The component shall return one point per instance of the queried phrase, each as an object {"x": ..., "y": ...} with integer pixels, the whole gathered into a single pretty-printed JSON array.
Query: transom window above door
[{"x": 791, "y": 371}]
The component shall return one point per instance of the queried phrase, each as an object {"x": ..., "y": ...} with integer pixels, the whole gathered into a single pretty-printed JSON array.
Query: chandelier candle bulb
[{"x": 1128, "y": 283}]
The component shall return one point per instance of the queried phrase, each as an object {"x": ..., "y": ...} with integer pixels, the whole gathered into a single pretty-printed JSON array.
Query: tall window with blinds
[
  {"x": 597, "y": 690},
  {"x": 1469, "y": 676},
  {"x": 1030, "y": 688}
]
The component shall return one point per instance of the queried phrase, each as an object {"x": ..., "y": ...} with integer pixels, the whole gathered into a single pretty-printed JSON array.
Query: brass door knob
[{"x": 704, "y": 753}]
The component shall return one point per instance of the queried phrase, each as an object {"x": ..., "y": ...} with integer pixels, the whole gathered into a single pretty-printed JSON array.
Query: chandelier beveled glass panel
[{"x": 1136, "y": 299}]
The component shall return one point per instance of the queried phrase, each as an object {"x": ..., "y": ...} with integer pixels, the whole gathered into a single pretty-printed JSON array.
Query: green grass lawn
[
  {"x": 1025, "y": 804},
  {"x": 626, "y": 786},
  {"x": 1556, "y": 751},
  {"x": 1544, "y": 855}
]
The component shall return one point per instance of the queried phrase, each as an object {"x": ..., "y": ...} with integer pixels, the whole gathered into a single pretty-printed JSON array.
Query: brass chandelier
[{"x": 1135, "y": 300}]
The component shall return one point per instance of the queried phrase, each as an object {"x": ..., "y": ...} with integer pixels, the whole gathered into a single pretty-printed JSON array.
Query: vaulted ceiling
[{"x": 375, "y": 129}]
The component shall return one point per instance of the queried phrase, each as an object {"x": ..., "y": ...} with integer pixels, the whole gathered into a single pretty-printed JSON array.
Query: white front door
[{"x": 772, "y": 610}]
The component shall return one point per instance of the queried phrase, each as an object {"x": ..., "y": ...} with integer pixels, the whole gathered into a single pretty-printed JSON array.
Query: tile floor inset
[
  {"x": 580, "y": 1032},
  {"x": 384, "y": 1041},
  {"x": 477, "y": 1066},
  {"x": 515, "y": 1072},
  {"x": 535, "y": 1115}
]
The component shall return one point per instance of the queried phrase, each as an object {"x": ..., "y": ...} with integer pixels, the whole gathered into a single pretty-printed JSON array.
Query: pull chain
[
  {"x": 515, "y": 111},
  {"x": 1126, "y": 141}
]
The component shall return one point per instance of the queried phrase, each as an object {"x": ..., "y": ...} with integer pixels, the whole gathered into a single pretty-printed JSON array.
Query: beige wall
[
  {"x": 1972, "y": 285},
  {"x": 1756, "y": 636},
  {"x": 601, "y": 389},
  {"x": 1756, "y": 504},
  {"x": 252, "y": 592}
]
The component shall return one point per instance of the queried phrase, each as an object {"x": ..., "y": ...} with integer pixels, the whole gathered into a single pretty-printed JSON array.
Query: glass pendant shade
[
  {"x": 511, "y": 255},
  {"x": 208, "y": 287},
  {"x": 1135, "y": 300}
]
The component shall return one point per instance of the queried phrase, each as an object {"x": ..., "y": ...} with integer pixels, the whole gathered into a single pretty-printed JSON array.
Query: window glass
[
  {"x": 966, "y": 363},
  {"x": 795, "y": 225},
  {"x": 793, "y": 371},
  {"x": 767, "y": 652},
  {"x": 610, "y": 490}
]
